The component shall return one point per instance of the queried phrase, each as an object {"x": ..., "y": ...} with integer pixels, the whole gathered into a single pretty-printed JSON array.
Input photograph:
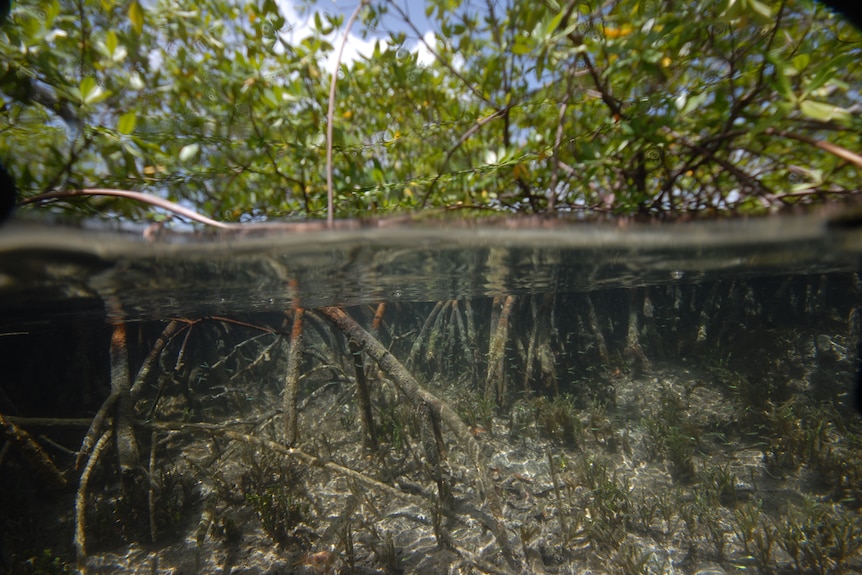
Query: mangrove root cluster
[{"x": 628, "y": 431}]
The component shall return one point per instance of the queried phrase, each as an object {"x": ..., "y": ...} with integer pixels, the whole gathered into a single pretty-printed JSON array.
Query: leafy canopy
[{"x": 622, "y": 106}]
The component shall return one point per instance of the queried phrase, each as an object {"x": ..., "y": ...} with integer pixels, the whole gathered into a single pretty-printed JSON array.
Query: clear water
[{"x": 557, "y": 398}]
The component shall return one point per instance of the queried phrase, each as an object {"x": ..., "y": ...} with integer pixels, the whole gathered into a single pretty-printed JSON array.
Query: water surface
[{"x": 441, "y": 397}]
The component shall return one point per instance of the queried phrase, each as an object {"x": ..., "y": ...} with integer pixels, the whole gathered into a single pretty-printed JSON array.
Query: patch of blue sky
[{"x": 299, "y": 24}]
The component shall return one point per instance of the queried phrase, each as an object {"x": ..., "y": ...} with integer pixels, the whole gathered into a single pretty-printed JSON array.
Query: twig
[
  {"x": 50, "y": 421},
  {"x": 330, "y": 117},
  {"x": 309, "y": 459},
  {"x": 464, "y": 137},
  {"x": 95, "y": 428},
  {"x": 167, "y": 334},
  {"x": 833, "y": 149},
  {"x": 137, "y": 196}
]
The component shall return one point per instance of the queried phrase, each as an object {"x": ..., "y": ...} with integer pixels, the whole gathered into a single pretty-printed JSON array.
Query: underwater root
[
  {"x": 418, "y": 396},
  {"x": 291, "y": 380},
  {"x": 495, "y": 384},
  {"x": 81, "y": 501},
  {"x": 39, "y": 461}
]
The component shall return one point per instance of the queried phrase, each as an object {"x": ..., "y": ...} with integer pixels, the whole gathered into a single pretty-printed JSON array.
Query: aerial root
[
  {"x": 495, "y": 383},
  {"x": 418, "y": 396},
  {"x": 424, "y": 332},
  {"x": 81, "y": 501},
  {"x": 291, "y": 380},
  {"x": 32, "y": 452}
]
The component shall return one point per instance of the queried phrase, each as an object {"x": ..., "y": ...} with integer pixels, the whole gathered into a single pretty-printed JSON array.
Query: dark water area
[{"x": 436, "y": 398}]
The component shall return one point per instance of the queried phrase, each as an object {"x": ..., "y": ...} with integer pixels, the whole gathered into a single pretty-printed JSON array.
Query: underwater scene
[{"x": 457, "y": 400}]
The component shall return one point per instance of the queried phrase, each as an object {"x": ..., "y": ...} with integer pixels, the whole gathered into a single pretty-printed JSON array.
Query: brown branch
[
  {"x": 555, "y": 157},
  {"x": 824, "y": 145},
  {"x": 330, "y": 117},
  {"x": 743, "y": 178},
  {"x": 464, "y": 137},
  {"x": 137, "y": 196},
  {"x": 448, "y": 65},
  {"x": 378, "y": 318},
  {"x": 167, "y": 334},
  {"x": 307, "y": 458}
]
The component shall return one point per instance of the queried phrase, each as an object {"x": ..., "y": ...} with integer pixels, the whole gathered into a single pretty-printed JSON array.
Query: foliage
[
  {"x": 624, "y": 106},
  {"x": 44, "y": 563}
]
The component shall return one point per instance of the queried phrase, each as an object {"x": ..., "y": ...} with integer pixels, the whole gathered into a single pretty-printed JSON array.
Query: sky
[{"x": 300, "y": 21}]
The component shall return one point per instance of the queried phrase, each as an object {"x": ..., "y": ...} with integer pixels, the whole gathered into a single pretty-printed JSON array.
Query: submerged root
[
  {"x": 495, "y": 383},
  {"x": 291, "y": 380},
  {"x": 418, "y": 396}
]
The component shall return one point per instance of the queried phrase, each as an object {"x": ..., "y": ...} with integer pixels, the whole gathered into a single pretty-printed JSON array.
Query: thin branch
[
  {"x": 138, "y": 196},
  {"x": 464, "y": 137},
  {"x": 330, "y": 209},
  {"x": 744, "y": 178},
  {"x": 448, "y": 65},
  {"x": 833, "y": 149}
]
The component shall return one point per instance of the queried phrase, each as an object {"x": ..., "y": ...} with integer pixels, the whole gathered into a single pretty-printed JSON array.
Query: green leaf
[
  {"x": 829, "y": 71},
  {"x": 136, "y": 16},
  {"x": 522, "y": 46},
  {"x": 111, "y": 42},
  {"x": 783, "y": 81},
  {"x": 761, "y": 12},
  {"x": 800, "y": 62},
  {"x": 687, "y": 103},
  {"x": 89, "y": 91},
  {"x": 744, "y": 9},
  {"x": 824, "y": 112},
  {"x": 126, "y": 123}
]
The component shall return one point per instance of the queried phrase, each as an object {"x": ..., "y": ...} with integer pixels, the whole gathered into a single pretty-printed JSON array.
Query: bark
[
  {"x": 363, "y": 397},
  {"x": 495, "y": 384},
  {"x": 127, "y": 445},
  {"x": 378, "y": 319},
  {"x": 634, "y": 350},
  {"x": 593, "y": 321},
  {"x": 81, "y": 502},
  {"x": 291, "y": 380}
]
